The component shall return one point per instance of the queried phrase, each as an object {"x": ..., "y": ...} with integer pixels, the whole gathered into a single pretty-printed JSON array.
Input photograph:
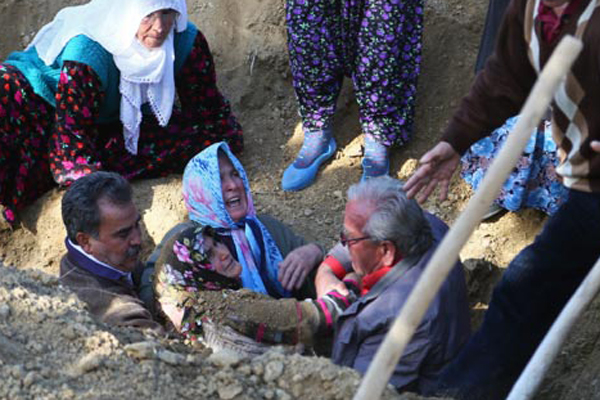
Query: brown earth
[{"x": 49, "y": 347}]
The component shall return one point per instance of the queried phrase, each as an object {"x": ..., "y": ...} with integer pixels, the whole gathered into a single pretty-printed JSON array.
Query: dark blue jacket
[{"x": 445, "y": 327}]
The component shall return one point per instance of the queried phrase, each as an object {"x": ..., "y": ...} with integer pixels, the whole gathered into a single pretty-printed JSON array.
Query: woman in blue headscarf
[{"x": 274, "y": 260}]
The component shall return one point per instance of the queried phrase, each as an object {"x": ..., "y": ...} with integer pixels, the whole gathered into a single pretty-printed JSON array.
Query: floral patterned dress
[
  {"x": 533, "y": 183},
  {"x": 41, "y": 145},
  {"x": 375, "y": 42}
]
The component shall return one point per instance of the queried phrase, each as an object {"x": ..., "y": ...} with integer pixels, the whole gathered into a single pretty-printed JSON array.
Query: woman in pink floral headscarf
[{"x": 193, "y": 260}]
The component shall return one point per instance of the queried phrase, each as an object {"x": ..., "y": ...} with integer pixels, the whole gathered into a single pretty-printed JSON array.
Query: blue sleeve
[
  {"x": 183, "y": 43},
  {"x": 86, "y": 51}
]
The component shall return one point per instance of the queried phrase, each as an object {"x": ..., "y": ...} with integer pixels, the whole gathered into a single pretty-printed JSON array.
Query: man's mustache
[{"x": 134, "y": 251}]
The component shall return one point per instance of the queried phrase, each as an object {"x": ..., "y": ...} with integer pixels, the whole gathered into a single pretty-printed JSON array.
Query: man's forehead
[
  {"x": 117, "y": 214},
  {"x": 358, "y": 212},
  {"x": 360, "y": 207},
  {"x": 107, "y": 205}
]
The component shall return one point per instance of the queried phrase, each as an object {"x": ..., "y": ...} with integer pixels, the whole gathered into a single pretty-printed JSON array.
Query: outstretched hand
[
  {"x": 436, "y": 167},
  {"x": 595, "y": 145}
]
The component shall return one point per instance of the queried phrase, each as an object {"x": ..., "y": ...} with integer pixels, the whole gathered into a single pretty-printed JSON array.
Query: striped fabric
[{"x": 569, "y": 126}]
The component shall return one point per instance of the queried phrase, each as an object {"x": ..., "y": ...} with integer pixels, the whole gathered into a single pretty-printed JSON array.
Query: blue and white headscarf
[{"x": 203, "y": 198}]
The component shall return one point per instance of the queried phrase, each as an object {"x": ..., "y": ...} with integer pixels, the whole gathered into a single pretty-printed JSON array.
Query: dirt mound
[{"x": 51, "y": 348}]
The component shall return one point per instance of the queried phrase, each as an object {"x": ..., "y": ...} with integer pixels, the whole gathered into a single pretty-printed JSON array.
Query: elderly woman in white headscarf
[{"x": 96, "y": 90}]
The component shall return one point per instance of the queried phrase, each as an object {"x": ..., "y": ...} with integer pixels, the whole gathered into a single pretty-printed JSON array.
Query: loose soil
[{"x": 51, "y": 348}]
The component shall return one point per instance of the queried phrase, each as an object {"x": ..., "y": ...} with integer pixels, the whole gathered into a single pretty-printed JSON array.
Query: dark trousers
[
  {"x": 493, "y": 19},
  {"x": 533, "y": 290}
]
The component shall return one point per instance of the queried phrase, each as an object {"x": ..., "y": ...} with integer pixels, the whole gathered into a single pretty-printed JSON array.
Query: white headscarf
[{"x": 146, "y": 75}]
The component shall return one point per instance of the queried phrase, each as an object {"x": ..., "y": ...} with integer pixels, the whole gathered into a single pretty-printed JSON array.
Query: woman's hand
[
  {"x": 595, "y": 145},
  {"x": 436, "y": 167},
  {"x": 297, "y": 265}
]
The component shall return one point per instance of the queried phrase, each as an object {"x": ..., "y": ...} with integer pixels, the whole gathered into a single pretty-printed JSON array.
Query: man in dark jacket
[
  {"x": 103, "y": 246},
  {"x": 388, "y": 240}
]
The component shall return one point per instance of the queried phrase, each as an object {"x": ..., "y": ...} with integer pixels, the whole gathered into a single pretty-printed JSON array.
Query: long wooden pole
[
  {"x": 446, "y": 255},
  {"x": 532, "y": 375}
]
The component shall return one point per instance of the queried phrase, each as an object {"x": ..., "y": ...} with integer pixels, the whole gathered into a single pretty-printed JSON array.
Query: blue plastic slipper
[{"x": 299, "y": 178}]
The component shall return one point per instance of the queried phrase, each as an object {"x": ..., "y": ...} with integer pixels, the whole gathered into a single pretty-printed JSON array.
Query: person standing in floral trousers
[{"x": 375, "y": 42}]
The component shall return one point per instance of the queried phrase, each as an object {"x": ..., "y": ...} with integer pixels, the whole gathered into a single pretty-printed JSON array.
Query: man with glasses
[{"x": 387, "y": 239}]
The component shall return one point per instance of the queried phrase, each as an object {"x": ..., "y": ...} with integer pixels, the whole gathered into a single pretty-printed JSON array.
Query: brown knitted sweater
[{"x": 502, "y": 87}]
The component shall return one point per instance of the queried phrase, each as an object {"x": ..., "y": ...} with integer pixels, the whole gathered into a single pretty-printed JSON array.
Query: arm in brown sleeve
[{"x": 500, "y": 89}]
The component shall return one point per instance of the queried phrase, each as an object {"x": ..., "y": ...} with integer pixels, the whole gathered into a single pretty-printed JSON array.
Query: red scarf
[
  {"x": 551, "y": 23},
  {"x": 368, "y": 281},
  {"x": 371, "y": 279}
]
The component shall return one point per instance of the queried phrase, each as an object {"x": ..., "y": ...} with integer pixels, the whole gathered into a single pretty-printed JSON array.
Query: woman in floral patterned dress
[
  {"x": 96, "y": 90},
  {"x": 375, "y": 42}
]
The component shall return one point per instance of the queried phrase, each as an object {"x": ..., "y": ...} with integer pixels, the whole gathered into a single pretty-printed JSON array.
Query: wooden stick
[
  {"x": 446, "y": 255},
  {"x": 532, "y": 376}
]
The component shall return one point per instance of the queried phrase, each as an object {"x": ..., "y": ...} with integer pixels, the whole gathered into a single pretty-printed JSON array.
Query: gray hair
[
  {"x": 395, "y": 217},
  {"x": 80, "y": 209}
]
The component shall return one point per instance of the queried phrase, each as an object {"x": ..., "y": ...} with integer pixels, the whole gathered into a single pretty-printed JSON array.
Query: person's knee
[{"x": 521, "y": 271}]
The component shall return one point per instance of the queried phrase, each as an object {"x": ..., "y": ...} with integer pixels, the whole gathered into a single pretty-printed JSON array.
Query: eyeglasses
[
  {"x": 167, "y": 16},
  {"x": 347, "y": 242}
]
